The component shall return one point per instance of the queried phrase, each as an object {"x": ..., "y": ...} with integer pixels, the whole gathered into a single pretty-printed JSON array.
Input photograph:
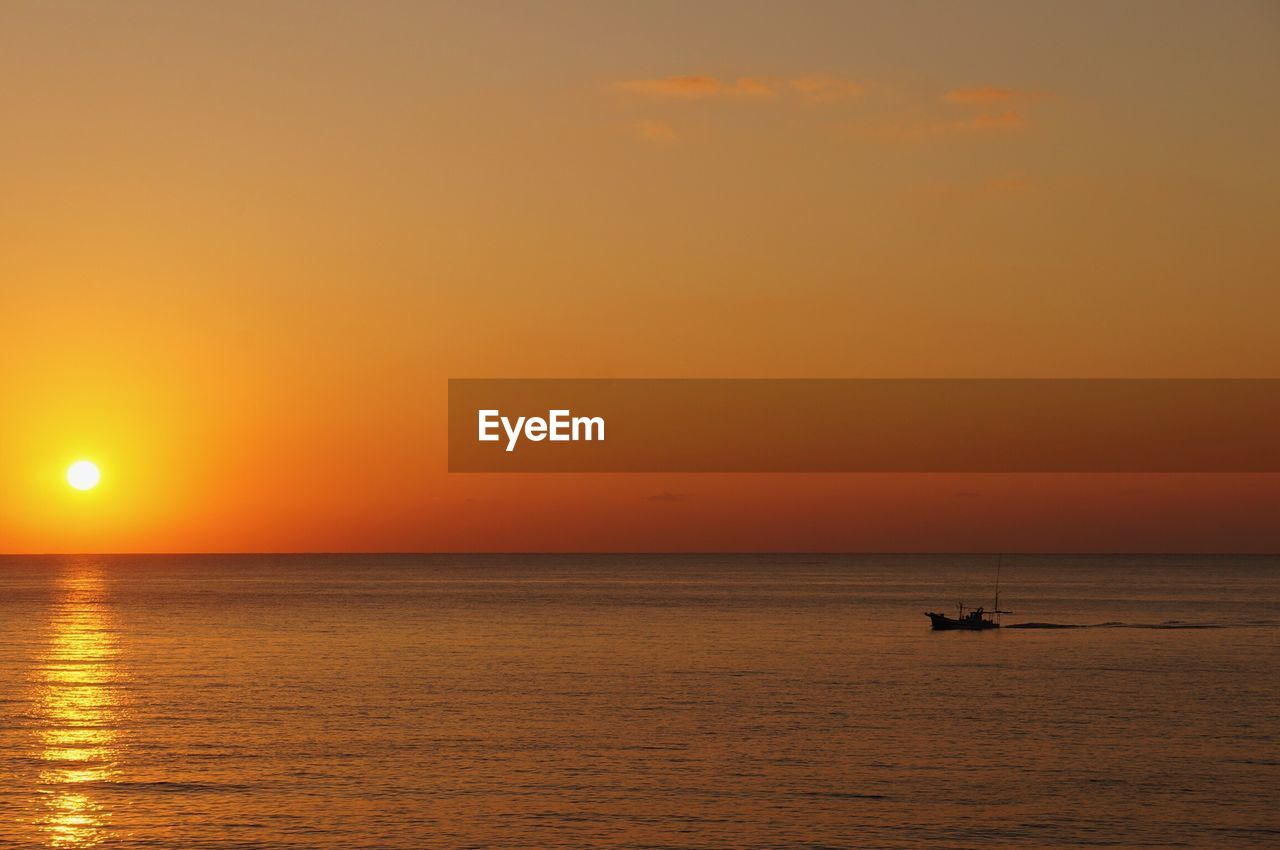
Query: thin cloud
[
  {"x": 753, "y": 87},
  {"x": 657, "y": 132},
  {"x": 969, "y": 111},
  {"x": 989, "y": 95},
  {"x": 815, "y": 87}
]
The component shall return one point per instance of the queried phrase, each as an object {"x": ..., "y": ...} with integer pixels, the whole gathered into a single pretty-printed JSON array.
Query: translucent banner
[{"x": 856, "y": 425}]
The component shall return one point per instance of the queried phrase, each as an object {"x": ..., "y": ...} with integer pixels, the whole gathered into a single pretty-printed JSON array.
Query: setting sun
[{"x": 83, "y": 475}]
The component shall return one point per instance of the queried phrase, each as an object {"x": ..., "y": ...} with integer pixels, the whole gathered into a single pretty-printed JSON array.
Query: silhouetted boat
[
  {"x": 978, "y": 619},
  {"x": 975, "y": 621}
]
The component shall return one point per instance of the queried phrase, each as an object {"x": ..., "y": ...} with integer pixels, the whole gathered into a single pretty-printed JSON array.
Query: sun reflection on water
[{"x": 78, "y": 711}]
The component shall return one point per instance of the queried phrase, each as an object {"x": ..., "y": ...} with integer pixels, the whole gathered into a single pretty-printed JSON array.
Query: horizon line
[{"x": 444, "y": 552}]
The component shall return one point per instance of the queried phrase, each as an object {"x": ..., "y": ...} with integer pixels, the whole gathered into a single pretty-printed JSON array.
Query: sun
[{"x": 83, "y": 475}]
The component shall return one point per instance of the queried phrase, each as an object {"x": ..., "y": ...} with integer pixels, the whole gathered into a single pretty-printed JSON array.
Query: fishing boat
[{"x": 976, "y": 620}]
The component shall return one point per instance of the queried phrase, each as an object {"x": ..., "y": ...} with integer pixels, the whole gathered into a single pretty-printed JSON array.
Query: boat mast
[{"x": 999, "y": 563}]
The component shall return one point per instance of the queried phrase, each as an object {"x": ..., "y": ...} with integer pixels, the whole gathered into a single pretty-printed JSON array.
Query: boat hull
[{"x": 943, "y": 623}]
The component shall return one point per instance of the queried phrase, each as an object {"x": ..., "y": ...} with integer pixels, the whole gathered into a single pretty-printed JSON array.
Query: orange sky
[{"x": 243, "y": 247}]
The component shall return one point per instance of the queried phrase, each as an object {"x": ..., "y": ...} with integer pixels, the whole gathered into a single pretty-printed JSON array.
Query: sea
[{"x": 637, "y": 701}]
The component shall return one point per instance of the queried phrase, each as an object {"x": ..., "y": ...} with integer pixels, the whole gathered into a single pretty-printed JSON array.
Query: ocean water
[{"x": 636, "y": 701}]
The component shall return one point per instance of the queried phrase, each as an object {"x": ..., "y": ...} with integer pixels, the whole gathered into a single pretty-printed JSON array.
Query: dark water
[{"x": 638, "y": 701}]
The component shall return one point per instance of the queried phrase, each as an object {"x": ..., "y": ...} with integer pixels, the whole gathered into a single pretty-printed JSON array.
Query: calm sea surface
[{"x": 636, "y": 701}]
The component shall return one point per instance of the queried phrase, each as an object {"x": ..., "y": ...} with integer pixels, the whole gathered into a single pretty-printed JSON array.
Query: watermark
[{"x": 887, "y": 425}]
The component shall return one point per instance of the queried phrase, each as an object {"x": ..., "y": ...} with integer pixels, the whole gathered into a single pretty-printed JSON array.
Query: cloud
[
  {"x": 753, "y": 87},
  {"x": 910, "y": 117},
  {"x": 666, "y": 497},
  {"x": 980, "y": 95},
  {"x": 985, "y": 123},
  {"x": 815, "y": 87},
  {"x": 682, "y": 88},
  {"x": 824, "y": 88},
  {"x": 989, "y": 95},
  {"x": 657, "y": 132}
]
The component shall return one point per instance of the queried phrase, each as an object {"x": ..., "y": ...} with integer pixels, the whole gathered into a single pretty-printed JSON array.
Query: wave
[
  {"x": 171, "y": 787},
  {"x": 1168, "y": 624}
]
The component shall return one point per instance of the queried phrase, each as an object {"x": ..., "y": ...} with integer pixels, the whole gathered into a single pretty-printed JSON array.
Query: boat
[{"x": 976, "y": 620}]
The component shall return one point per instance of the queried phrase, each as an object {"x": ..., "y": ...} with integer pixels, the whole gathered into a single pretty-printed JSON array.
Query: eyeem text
[{"x": 558, "y": 426}]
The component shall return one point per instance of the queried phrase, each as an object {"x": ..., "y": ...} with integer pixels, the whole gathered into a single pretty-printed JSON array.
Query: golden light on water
[
  {"x": 78, "y": 707},
  {"x": 83, "y": 475}
]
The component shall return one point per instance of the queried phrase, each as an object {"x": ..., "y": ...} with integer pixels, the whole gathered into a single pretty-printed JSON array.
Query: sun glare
[{"x": 83, "y": 475}]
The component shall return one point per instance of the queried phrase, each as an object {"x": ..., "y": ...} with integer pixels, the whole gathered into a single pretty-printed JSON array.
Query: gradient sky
[{"x": 243, "y": 246}]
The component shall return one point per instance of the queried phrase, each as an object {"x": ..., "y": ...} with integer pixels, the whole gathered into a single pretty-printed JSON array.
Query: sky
[{"x": 244, "y": 246}]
